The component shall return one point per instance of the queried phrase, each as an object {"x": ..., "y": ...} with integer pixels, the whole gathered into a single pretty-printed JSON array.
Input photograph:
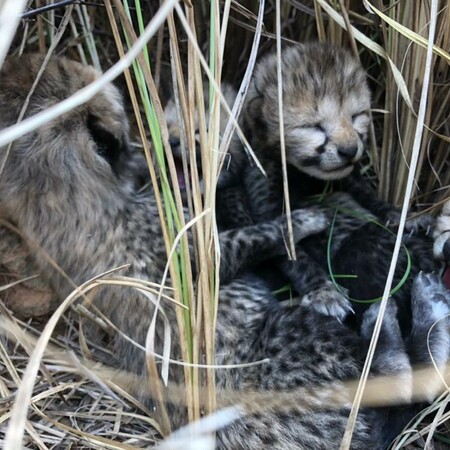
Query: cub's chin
[{"x": 327, "y": 175}]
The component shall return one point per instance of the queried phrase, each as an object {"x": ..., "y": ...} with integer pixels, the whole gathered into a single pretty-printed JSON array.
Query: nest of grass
[{"x": 76, "y": 403}]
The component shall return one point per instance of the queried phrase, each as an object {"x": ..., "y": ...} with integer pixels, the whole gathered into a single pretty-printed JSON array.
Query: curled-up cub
[{"x": 326, "y": 104}]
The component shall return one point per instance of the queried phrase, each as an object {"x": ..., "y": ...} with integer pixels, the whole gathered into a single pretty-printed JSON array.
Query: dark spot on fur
[
  {"x": 268, "y": 439},
  {"x": 319, "y": 127}
]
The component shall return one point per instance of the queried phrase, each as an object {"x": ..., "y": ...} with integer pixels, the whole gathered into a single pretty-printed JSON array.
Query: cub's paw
[
  {"x": 441, "y": 235},
  {"x": 422, "y": 223},
  {"x": 306, "y": 221},
  {"x": 390, "y": 321},
  {"x": 329, "y": 301},
  {"x": 429, "y": 341},
  {"x": 430, "y": 299}
]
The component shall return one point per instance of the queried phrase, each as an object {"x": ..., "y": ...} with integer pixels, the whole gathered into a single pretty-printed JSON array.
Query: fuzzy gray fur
[
  {"x": 67, "y": 189},
  {"x": 325, "y": 107}
]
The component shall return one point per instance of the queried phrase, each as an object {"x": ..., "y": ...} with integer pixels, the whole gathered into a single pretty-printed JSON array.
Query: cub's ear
[
  {"x": 254, "y": 98},
  {"x": 113, "y": 149},
  {"x": 253, "y": 112}
]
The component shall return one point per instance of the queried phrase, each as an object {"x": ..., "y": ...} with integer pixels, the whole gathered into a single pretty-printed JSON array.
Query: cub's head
[
  {"x": 175, "y": 135},
  {"x": 80, "y": 156},
  {"x": 325, "y": 108}
]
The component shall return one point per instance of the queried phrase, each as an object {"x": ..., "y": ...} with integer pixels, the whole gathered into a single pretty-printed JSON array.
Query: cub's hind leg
[
  {"x": 430, "y": 303},
  {"x": 391, "y": 360},
  {"x": 390, "y": 356},
  {"x": 429, "y": 341}
]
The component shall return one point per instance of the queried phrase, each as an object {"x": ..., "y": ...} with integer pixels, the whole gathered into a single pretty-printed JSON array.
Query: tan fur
[
  {"x": 173, "y": 124},
  {"x": 325, "y": 107},
  {"x": 30, "y": 298}
]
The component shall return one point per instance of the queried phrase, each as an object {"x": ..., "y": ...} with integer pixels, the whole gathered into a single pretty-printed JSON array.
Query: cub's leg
[
  {"x": 313, "y": 284},
  {"x": 430, "y": 302},
  {"x": 442, "y": 234},
  {"x": 307, "y": 275},
  {"x": 390, "y": 357},
  {"x": 244, "y": 247},
  {"x": 391, "y": 360},
  {"x": 429, "y": 340}
]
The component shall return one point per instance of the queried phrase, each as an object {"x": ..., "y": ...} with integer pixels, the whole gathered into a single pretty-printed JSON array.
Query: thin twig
[
  {"x": 282, "y": 143},
  {"x": 9, "y": 20}
]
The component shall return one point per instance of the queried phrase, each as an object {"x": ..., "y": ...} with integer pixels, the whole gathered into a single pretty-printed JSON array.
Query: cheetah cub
[
  {"x": 175, "y": 125},
  {"x": 326, "y": 104},
  {"x": 66, "y": 187},
  {"x": 325, "y": 107}
]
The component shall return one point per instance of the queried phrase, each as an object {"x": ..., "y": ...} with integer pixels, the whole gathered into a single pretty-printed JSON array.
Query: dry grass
[
  {"x": 74, "y": 407},
  {"x": 69, "y": 409}
]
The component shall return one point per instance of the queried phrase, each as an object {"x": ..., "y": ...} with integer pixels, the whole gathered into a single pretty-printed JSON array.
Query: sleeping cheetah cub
[
  {"x": 66, "y": 188},
  {"x": 175, "y": 125},
  {"x": 326, "y": 104}
]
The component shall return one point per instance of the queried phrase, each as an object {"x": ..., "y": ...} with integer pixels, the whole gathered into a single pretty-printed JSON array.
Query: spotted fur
[
  {"x": 326, "y": 105},
  {"x": 66, "y": 187}
]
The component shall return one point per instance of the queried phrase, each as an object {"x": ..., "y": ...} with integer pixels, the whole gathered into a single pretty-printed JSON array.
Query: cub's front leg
[
  {"x": 314, "y": 287},
  {"x": 242, "y": 248}
]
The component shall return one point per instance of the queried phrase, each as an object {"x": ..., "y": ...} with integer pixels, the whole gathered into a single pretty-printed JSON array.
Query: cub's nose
[{"x": 348, "y": 152}]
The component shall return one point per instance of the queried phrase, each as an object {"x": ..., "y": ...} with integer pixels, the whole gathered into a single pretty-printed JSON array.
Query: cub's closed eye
[
  {"x": 361, "y": 114},
  {"x": 315, "y": 127}
]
